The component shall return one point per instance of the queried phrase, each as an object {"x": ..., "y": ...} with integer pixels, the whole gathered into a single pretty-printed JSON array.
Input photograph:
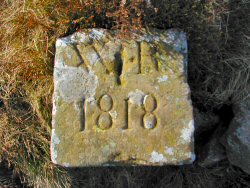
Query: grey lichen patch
[
  {"x": 177, "y": 39},
  {"x": 80, "y": 37},
  {"x": 156, "y": 157},
  {"x": 54, "y": 99},
  {"x": 63, "y": 42},
  {"x": 97, "y": 34},
  {"x": 91, "y": 57},
  {"x": 187, "y": 132},
  {"x": 169, "y": 151},
  {"x": 163, "y": 78},
  {"x": 54, "y": 142},
  {"x": 75, "y": 84},
  {"x": 136, "y": 97}
]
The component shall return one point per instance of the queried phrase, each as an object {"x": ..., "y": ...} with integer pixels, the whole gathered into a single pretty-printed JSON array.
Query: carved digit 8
[
  {"x": 149, "y": 119},
  {"x": 104, "y": 120}
]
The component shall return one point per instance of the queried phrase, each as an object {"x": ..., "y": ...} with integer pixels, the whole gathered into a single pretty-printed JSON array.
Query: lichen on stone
[{"x": 121, "y": 101}]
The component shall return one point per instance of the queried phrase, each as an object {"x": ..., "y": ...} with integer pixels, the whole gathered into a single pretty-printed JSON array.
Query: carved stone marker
[{"x": 121, "y": 102}]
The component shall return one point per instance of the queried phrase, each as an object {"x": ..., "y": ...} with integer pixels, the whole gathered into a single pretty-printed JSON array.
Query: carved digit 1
[
  {"x": 83, "y": 119},
  {"x": 126, "y": 114},
  {"x": 149, "y": 119},
  {"x": 105, "y": 120}
]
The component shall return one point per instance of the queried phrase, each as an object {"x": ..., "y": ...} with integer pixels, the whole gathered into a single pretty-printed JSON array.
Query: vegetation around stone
[{"x": 218, "y": 38}]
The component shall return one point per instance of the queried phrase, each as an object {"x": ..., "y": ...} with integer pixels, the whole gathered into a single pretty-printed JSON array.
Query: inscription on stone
[
  {"x": 105, "y": 121},
  {"x": 120, "y": 102}
]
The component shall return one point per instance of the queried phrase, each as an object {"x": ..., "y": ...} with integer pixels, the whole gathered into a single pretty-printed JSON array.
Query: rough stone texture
[
  {"x": 122, "y": 102},
  {"x": 237, "y": 138}
]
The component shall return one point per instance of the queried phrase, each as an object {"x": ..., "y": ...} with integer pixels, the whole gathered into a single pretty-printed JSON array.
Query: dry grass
[
  {"x": 219, "y": 69},
  {"x": 224, "y": 76},
  {"x": 221, "y": 176},
  {"x": 26, "y": 64}
]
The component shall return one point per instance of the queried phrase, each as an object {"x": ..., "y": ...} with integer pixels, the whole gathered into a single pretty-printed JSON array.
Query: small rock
[
  {"x": 213, "y": 151},
  {"x": 204, "y": 121},
  {"x": 237, "y": 138}
]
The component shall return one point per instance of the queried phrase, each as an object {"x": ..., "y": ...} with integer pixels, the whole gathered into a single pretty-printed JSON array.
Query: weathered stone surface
[
  {"x": 237, "y": 138},
  {"x": 120, "y": 102}
]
